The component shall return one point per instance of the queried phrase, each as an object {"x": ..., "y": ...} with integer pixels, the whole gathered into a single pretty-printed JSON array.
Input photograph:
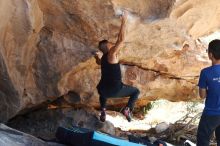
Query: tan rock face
[
  {"x": 46, "y": 49},
  {"x": 20, "y": 24},
  {"x": 197, "y": 23}
]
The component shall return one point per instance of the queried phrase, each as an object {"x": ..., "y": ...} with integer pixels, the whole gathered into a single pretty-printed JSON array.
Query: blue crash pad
[{"x": 77, "y": 136}]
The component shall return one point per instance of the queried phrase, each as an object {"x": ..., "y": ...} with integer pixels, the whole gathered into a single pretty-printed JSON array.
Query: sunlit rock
[{"x": 161, "y": 127}]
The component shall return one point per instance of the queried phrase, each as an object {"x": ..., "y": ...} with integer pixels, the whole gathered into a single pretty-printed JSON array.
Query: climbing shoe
[
  {"x": 127, "y": 113},
  {"x": 103, "y": 116}
]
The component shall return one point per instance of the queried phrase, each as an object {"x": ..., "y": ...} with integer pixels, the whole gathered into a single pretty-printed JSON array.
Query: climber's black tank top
[{"x": 111, "y": 75}]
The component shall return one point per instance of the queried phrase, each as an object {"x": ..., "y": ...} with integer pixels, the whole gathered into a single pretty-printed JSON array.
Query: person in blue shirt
[{"x": 209, "y": 88}]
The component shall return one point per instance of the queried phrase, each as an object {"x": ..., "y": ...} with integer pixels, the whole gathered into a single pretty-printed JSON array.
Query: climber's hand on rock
[
  {"x": 124, "y": 15},
  {"x": 98, "y": 56},
  {"x": 97, "y": 53}
]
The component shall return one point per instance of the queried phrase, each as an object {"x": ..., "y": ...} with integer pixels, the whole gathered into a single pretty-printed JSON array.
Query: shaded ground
[{"x": 182, "y": 118}]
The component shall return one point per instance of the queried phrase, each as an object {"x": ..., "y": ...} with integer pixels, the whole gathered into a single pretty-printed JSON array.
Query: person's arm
[
  {"x": 121, "y": 36},
  {"x": 202, "y": 85},
  {"x": 202, "y": 93}
]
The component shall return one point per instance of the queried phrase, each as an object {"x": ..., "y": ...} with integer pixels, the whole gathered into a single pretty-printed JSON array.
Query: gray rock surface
[
  {"x": 12, "y": 137},
  {"x": 44, "y": 123}
]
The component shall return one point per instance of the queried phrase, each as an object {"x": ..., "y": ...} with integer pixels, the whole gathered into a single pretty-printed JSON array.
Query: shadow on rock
[{"x": 44, "y": 123}]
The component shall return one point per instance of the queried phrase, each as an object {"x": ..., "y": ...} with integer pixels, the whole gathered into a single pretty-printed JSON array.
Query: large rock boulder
[{"x": 46, "y": 49}]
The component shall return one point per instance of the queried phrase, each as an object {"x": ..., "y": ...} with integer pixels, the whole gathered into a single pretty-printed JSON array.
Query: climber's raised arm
[
  {"x": 121, "y": 36},
  {"x": 110, "y": 84}
]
